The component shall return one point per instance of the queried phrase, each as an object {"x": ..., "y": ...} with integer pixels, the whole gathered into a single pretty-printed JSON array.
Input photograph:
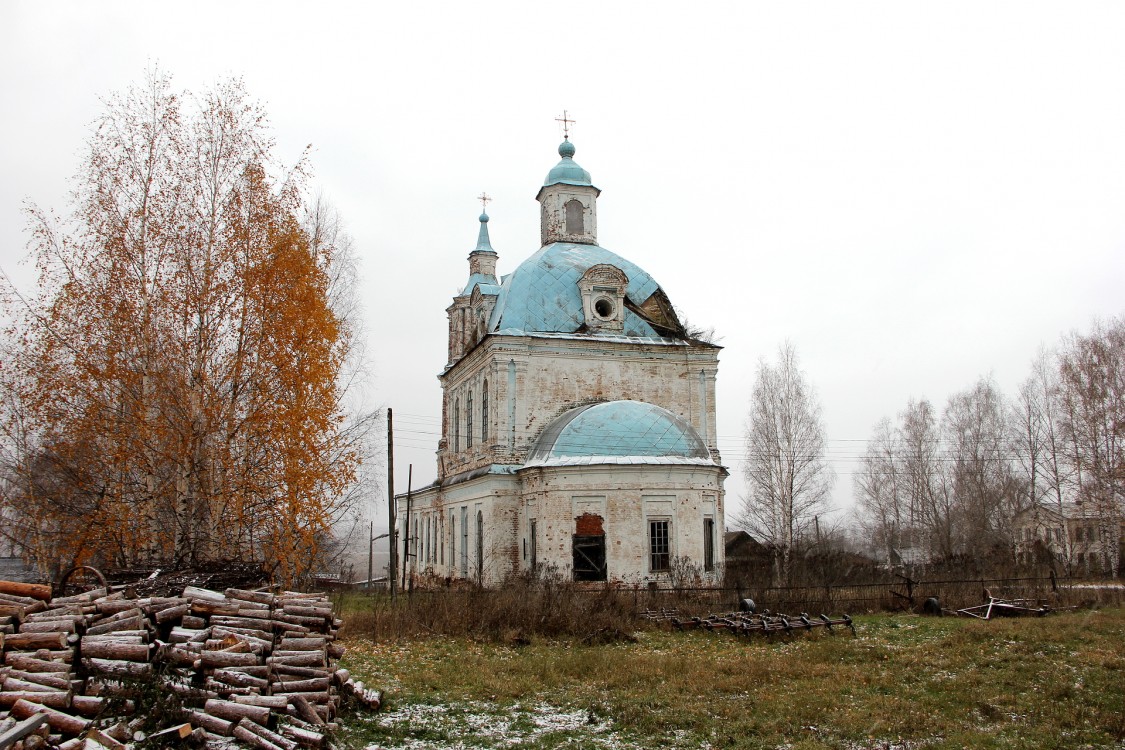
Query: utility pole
[{"x": 391, "y": 563}]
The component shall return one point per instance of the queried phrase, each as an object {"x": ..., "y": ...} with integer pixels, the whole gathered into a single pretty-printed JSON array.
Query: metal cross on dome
[
  {"x": 484, "y": 201},
  {"x": 566, "y": 123}
]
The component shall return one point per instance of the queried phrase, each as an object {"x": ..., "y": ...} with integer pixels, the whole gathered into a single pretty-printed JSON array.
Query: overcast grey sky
[{"x": 915, "y": 195}]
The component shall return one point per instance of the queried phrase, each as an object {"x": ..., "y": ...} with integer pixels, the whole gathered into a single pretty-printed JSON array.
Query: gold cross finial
[
  {"x": 566, "y": 123},
  {"x": 484, "y": 200}
]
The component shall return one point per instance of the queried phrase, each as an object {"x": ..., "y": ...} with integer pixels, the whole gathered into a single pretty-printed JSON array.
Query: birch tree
[
  {"x": 175, "y": 381},
  {"x": 788, "y": 477}
]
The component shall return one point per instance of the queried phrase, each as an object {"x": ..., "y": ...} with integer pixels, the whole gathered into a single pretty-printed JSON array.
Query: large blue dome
[
  {"x": 542, "y": 294},
  {"x": 618, "y": 432}
]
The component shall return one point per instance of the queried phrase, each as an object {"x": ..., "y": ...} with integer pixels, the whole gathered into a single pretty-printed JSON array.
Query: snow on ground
[{"x": 475, "y": 725}]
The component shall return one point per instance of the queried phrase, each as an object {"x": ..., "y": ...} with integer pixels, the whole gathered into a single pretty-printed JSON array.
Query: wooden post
[{"x": 392, "y": 563}]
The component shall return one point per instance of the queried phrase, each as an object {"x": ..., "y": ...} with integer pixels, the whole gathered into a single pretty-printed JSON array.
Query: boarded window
[
  {"x": 659, "y": 558},
  {"x": 589, "y": 557},
  {"x": 480, "y": 547},
  {"x": 574, "y": 216},
  {"x": 708, "y": 544},
  {"x": 534, "y": 556}
]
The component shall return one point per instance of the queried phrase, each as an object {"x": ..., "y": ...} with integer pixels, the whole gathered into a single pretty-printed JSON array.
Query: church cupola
[
  {"x": 568, "y": 202},
  {"x": 482, "y": 260}
]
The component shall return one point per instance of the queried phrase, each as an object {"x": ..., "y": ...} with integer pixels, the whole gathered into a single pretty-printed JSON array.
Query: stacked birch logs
[{"x": 250, "y": 665}]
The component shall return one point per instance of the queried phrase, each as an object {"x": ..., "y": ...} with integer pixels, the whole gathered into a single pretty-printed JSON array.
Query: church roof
[
  {"x": 542, "y": 295},
  {"x": 567, "y": 171},
  {"x": 618, "y": 432}
]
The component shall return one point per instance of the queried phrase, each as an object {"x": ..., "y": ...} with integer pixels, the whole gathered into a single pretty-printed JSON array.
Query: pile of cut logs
[{"x": 253, "y": 666}]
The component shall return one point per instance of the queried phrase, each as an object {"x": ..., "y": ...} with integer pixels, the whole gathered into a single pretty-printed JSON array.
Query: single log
[
  {"x": 239, "y": 679},
  {"x": 321, "y": 711},
  {"x": 253, "y": 740},
  {"x": 122, "y": 636},
  {"x": 87, "y": 705},
  {"x": 191, "y": 621},
  {"x": 312, "y": 696},
  {"x": 13, "y": 599},
  {"x": 85, "y": 597},
  {"x": 113, "y": 606},
  {"x": 224, "y": 690},
  {"x": 213, "y": 607},
  {"x": 54, "y": 700},
  {"x": 56, "y": 613},
  {"x": 341, "y": 676},
  {"x": 259, "y": 634},
  {"x": 320, "y": 613},
  {"x": 300, "y": 686},
  {"x": 194, "y": 592},
  {"x": 32, "y": 641},
  {"x": 58, "y": 654},
  {"x": 289, "y": 630},
  {"x": 303, "y": 736},
  {"x": 179, "y": 656},
  {"x": 283, "y": 620},
  {"x": 115, "y": 650},
  {"x": 302, "y": 644},
  {"x": 17, "y": 685},
  {"x": 373, "y": 699},
  {"x": 254, "y": 670},
  {"x": 212, "y": 724},
  {"x": 336, "y": 650},
  {"x": 298, "y": 658},
  {"x": 220, "y": 659},
  {"x": 40, "y": 591},
  {"x": 189, "y": 635},
  {"x": 235, "y": 711},
  {"x": 130, "y": 623},
  {"x": 29, "y": 663},
  {"x": 48, "y": 626},
  {"x": 261, "y": 597},
  {"x": 15, "y": 611},
  {"x": 52, "y": 679},
  {"x": 118, "y": 668},
  {"x": 303, "y": 672},
  {"x": 23, "y": 709},
  {"x": 272, "y": 702},
  {"x": 272, "y": 737},
  {"x": 171, "y": 613},
  {"x": 243, "y": 622}
]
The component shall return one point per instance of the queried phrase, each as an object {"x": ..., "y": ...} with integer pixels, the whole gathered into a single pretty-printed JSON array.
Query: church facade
[{"x": 578, "y": 419}]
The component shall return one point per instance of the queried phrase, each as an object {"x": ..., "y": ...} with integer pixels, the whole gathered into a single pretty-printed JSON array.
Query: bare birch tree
[{"x": 788, "y": 477}]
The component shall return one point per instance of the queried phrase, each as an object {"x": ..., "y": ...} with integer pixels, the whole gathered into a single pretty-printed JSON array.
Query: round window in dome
[{"x": 604, "y": 308}]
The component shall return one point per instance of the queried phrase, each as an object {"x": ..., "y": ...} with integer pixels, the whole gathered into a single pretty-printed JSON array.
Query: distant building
[
  {"x": 578, "y": 418},
  {"x": 1077, "y": 535}
]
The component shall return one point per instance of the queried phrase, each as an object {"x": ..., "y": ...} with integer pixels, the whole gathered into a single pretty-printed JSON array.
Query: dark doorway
[{"x": 589, "y": 557}]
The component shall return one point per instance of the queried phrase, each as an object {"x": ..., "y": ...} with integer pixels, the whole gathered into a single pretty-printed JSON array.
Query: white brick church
[{"x": 578, "y": 419}]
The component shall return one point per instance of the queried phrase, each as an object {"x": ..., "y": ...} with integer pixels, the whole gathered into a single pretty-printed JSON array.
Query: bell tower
[{"x": 568, "y": 200}]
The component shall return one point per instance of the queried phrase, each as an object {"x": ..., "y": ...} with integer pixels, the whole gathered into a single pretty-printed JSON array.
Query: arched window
[
  {"x": 484, "y": 413},
  {"x": 469, "y": 420},
  {"x": 456, "y": 425},
  {"x": 574, "y": 216}
]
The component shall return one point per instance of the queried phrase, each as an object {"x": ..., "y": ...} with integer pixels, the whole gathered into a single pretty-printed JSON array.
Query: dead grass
[{"x": 905, "y": 681}]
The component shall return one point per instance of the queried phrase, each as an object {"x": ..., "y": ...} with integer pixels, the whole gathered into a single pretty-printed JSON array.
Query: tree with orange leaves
[{"x": 172, "y": 393}]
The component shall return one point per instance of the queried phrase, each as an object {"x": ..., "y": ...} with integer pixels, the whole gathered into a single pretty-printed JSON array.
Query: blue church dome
[
  {"x": 542, "y": 294},
  {"x": 632, "y": 430},
  {"x": 567, "y": 171}
]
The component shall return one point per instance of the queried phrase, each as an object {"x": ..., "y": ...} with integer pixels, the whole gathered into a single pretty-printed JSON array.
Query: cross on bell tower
[{"x": 566, "y": 123}]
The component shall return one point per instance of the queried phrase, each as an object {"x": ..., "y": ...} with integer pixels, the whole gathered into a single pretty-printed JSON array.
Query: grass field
[{"x": 904, "y": 681}]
